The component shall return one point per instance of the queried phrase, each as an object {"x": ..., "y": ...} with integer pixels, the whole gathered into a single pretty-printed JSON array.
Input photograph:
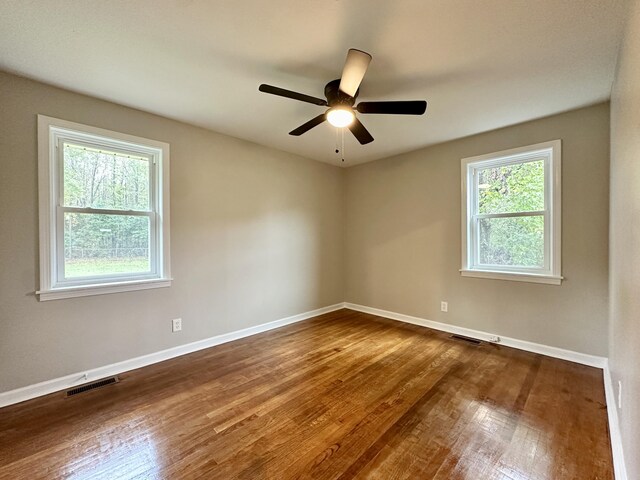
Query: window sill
[
  {"x": 517, "y": 277},
  {"x": 102, "y": 289}
]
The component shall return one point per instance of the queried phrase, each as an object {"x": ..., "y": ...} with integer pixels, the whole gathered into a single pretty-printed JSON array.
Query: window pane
[
  {"x": 512, "y": 241},
  {"x": 102, "y": 179},
  {"x": 97, "y": 244},
  {"x": 511, "y": 188}
]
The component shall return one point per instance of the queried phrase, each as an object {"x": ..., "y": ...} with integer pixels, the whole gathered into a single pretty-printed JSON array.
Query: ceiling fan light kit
[
  {"x": 341, "y": 96},
  {"x": 340, "y": 116}
]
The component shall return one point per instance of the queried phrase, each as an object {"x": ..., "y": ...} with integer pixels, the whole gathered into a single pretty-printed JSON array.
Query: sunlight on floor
[{"x": 134, "y": 459}]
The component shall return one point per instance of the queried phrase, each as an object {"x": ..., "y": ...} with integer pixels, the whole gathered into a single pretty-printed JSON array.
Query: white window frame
[
  {"x": 550, "y": 273},
  {"x": 53, "y": 133}
]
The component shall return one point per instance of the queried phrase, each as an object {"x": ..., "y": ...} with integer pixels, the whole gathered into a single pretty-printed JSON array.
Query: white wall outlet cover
[
  {"x": 444, "y": 306},
  {"x": 176, "y": 325}
]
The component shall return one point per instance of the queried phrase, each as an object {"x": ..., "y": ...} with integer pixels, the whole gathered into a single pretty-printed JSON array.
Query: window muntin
[
  {"x": 511, "y": 212},
  {"x": 104, "y": 220}
]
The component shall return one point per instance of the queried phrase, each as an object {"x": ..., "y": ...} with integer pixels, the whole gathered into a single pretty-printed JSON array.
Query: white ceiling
[{"x": 481, "y": 64}]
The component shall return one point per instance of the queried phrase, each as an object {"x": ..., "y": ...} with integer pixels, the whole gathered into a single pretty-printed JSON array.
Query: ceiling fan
[{"x": 341, "y": 96}]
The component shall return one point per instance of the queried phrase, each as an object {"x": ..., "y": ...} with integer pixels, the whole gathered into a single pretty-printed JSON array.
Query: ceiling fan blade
[
  {"x": 290, "y": 94},
  {"x": 412, "y": 107},
  {"x": 353, "y": 72},
  {"x": 305, "y": 127},
  {"x": 361, "y": 133}
]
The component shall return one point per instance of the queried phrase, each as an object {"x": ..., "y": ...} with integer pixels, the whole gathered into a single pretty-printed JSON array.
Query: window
[
  {"x": 104, "y": 211},
  {"x": 511, "y": 214}
]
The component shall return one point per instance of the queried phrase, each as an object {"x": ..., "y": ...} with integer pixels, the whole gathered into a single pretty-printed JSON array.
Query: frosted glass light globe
[{"x": 340, "y": 117}]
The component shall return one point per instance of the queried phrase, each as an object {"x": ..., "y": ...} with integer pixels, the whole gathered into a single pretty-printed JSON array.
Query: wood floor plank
[{"x": 344, "y": 395}]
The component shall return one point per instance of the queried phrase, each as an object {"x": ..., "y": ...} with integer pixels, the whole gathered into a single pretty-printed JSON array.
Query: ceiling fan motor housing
[{"x": 336, "y": 97}]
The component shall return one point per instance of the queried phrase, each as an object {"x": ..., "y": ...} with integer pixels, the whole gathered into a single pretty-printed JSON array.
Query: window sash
[
  {"x": 507, "y": 162},
  {"x": 62, "y": 141},
  {"x": 475, "y": 262},
  {"x": 471, "y": 255},
  {"x": 59, "y": 278}
]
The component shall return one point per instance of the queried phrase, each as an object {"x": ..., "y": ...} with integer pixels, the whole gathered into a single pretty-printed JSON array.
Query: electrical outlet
[
  {"x": 444, "y": 306},
  {"x": 619, "y": 393},
  {"x": 176, "y": 325}
]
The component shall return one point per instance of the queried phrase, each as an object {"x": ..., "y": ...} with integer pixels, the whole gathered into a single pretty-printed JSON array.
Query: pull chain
[{"x": 340, "y": 138}]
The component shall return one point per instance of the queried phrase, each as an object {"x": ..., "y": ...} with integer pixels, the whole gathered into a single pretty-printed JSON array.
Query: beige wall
[
  {"x": 256, "y": 235},
  {"x": 403, "y": 238},
  {"x": 624, "y": 344}
]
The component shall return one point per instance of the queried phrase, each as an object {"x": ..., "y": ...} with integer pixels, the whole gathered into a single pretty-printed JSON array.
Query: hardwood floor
[{"x": 344, "y": 395}]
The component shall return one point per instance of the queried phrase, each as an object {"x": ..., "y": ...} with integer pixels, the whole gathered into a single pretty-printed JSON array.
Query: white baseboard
[
  {"x": 68, "y": 381},
  {"x": 614, "y": 427},
  {"x": 577, "y": 357}
]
